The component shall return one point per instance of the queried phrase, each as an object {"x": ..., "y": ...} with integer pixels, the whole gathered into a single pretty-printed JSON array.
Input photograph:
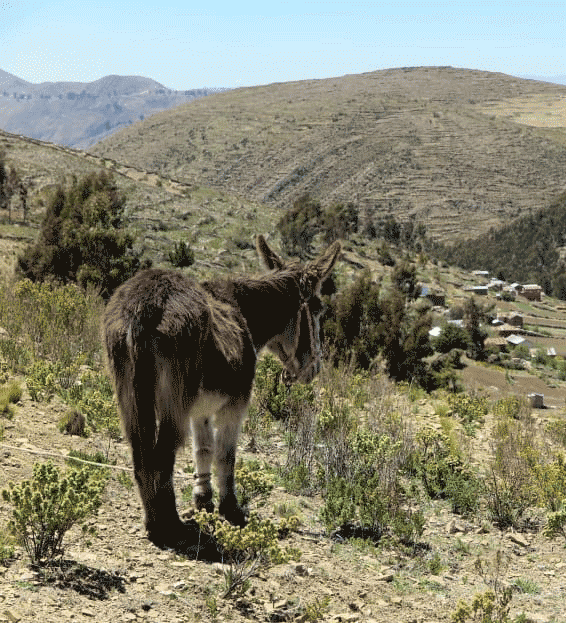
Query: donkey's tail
[{"x": 133, "y": 368}]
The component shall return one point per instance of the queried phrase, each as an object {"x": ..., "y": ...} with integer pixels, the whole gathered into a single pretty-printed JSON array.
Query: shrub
[
  {"x": 48, "y": 321},
  {"x": 48, "y": 505},
  {"x": 556, "y": 522},
  {"x": 91, "y": 394},
  {"x": 245, "y": 550},
  {"x": 83, "y": 238},
  {"x": 7, "y": 549},
  {"x": 371, "y": 492},
  {"x": 513, "y": 485},
  {"x": 73, "y": 423},
  {"x": 10, "y": 394},
  {"x": 182, "y": 255},
  {"x": 253, "y": 482},
  {"x": 470, "y": 408}
]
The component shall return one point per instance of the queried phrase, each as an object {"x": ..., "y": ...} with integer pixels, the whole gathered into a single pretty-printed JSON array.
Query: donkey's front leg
[{"x": 228, "y": 423}]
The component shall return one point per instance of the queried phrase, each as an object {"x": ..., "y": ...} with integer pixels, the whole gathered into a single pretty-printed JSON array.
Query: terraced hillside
[{"x": 405, "y": 142}]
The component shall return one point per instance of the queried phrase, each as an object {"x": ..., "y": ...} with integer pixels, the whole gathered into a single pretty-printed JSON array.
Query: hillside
[
  {"x": 115, "y": 574},
  {"x": 529, "y": 249},
  {"x": 419, "y": 142},
  {"x": 80, "y": 114}
]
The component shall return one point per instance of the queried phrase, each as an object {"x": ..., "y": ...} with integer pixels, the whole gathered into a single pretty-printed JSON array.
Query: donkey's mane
[
  {"x": 226, "y": 328},
  {"x": 236, "y": 302}
]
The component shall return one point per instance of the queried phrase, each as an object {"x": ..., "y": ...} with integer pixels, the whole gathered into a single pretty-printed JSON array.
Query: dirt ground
[
  {"x": 121, "y": 577},
  {"x": 497, "y": 384}
]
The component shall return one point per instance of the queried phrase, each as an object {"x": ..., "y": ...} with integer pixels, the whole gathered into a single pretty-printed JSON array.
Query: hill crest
[{"x": 410, "y": 142}]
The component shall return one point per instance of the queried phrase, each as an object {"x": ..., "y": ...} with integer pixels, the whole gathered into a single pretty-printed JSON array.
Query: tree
[
  {"x": 474, "y": 314},
  {"x": 340, "y": 221},
  {"x": 83, "y": 238},
  {"x": 299, "y": 226},
  {"x": 363, "y": 323},
  {"x": 452, "y": 336}
]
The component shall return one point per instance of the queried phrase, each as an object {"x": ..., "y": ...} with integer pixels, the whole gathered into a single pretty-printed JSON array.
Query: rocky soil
[{"x": 120, "y": 576}]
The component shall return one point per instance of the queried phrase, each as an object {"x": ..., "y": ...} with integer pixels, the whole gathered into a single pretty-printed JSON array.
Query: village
[{"x": 526, "y": 330}]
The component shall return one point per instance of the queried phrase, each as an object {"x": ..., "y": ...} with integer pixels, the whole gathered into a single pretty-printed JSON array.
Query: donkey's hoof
[
  {"x": 233, "y": 513},
  {"x": 203, "y": 502}
]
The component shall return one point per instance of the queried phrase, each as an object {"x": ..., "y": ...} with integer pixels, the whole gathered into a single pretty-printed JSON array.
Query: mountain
[
  {"x": 79, "y": 114},
  {"x": 553, "y": 79},
  {"x": 425, "y": 143}
]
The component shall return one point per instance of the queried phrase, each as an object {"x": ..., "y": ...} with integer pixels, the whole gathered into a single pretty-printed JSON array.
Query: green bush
[
  {"x": 83, "y": 238},
  {"x": 556, "y": 522},
  {"x": 371, "y": 492},
  {"x": 246, "y": 550},
  {"x": 514, "y": 482},
  {"x": 48, "y": 505},
  {"x": 47, "y": 321},
  {"x": 182, "y": 255},
  {"x": 10, "y": 394},
  {"x": 91, "y": 393},
  {"x": 253, "y": 482},
  {"x": 471, "y": 409}
]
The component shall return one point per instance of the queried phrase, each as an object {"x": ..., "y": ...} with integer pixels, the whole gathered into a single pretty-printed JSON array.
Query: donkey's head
[{"x": 298, "y": 346}]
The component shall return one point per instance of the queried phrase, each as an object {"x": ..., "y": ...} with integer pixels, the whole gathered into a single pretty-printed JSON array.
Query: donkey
[{"x": 182, "y": 355}]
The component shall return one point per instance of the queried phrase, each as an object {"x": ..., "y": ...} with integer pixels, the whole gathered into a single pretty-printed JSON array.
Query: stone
[
  {"x": 12, "y": 615},
  {"x": 518, "y": 539}
]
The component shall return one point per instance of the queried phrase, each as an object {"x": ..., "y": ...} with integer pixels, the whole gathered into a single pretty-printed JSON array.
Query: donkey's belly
[{"x": 206, "y": 404}]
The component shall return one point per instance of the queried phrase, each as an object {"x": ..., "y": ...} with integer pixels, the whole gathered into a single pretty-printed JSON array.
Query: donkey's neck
[{"x": 267, "y": 303}]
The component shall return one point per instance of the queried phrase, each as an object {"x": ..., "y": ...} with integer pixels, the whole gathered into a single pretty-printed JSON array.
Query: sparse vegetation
[
  {"x": 396, "y": 487},
  {"x": 48, "y": 505}
]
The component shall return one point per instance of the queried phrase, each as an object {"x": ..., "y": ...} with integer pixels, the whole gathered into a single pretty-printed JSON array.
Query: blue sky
[{"x": 186, "y": 45}]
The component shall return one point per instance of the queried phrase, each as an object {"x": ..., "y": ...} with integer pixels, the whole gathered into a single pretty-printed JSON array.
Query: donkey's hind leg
[
  {"x": 203, "y": 448},
  {"x": 228, "y": 423}
]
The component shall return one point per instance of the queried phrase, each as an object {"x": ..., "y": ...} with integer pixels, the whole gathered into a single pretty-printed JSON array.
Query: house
[
  {"x": 496, "y": 284},
  {"x": 479, "y": 290},
  {"x": 436, "y": 297},
  {"x": 499, "y": 343},
  {"x": 532, "y": 292},
  {"x": 513, "y": 319},
  {"x": 516, "y": 340},
  {"x": 481, "y": 273}
]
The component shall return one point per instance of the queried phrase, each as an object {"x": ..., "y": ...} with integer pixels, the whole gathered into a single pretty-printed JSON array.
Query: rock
[
  {"x": 386, "y": 577},
  {"x": 300, "y": 569},
  {"x": 518, "y": 539},
  {"x": 348, "y": 617},
  {"x": 455, "y": 526},
  {"x": 12, "y": 615}
]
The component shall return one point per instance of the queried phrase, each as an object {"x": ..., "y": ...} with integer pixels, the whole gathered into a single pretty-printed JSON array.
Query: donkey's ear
[
  {"x": 325, "y": 262},
  {"x": 269, "y": 258}
]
